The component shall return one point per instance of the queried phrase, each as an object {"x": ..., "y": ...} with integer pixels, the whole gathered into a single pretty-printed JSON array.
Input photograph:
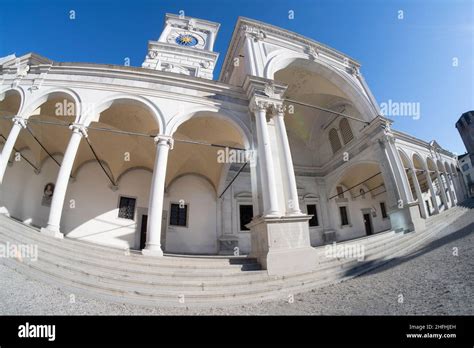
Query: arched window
[
  {"x": 346, "y": 130},
  {"x": 334, "y": 140},
  {"x": 362, "y": 193}
]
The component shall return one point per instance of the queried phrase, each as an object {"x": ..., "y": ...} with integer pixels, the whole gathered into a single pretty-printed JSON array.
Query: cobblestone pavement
[{"x": 429, "y": 281}]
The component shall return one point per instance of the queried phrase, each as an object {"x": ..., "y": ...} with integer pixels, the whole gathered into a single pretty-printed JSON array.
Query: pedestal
[
  {"x": 52, "y": 233},
  {"x": 282, "y": 245},
  {"x": 407, "y": 219}
]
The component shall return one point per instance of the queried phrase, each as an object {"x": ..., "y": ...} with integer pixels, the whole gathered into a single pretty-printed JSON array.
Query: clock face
[{"x": 186, "y": 39}]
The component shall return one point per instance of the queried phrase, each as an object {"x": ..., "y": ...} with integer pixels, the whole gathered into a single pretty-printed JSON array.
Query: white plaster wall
[
  {"x": 22, "y": 190},
  {"x": 200, "y": 236},
  {"x": 356, "y": 227},
  {"x": 95, "y": 215}
]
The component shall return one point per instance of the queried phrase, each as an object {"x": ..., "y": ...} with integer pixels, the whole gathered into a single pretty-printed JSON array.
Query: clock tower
[{"x": 184, "y": 47}]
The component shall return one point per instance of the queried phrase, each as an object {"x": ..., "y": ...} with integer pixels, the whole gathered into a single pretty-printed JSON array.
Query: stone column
[
  {"x": 155, "y": 207},
  {"x": 292, "y": 204},
  {"x": 442, "y": 190},
  {"x": 447, "y": 175},
  {"x": 18, "y": 124},
  {"x": 419, "y": 196},
  {"x": 432, "y": 191},
  {"x": 55, "y": 213},
  {"x": 266, "y": 161},
  {"x": 404, "y": 215}
]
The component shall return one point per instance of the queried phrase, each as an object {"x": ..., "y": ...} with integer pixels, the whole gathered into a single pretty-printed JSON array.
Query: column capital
[
  {"x": 79, "y": 128},
  {"x": 278, "y": 110},
  {"x": 259, "y": 104},
  {"x": 20, "y": 121},
  {"x": 164, "y": 140},
  {"x": 271, "y": 106}
]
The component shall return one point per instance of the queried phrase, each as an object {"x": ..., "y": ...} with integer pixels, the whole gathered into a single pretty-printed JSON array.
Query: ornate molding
[
  {"x": 79, "y": 128},
  {"x": 271, "y": 91},
  {"x": 254, "y": 33},
  {"x": 20, "y": 121},
  {"x": 272, "y": 107},
  {"x": 21, "y": 72},
  {"x": 312, "y": 52},
  {"x": 164, "y": 140}
]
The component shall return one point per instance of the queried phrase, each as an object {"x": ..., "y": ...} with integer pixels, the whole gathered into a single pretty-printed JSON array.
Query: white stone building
[{"x": 132, "y": 157}]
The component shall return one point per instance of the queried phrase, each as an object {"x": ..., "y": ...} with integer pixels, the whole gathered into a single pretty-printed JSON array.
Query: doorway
[
  {"x": 143, "y": 231},
  {"x": 368, "y": 224}
]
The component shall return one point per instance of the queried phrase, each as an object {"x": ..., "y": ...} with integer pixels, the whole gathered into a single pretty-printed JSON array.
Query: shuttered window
[
  {"x": 334, "y": 140},
  {"x": 346, "y": 130}
]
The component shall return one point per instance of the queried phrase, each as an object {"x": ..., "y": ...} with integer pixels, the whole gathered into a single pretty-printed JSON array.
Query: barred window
[
  {"x": 179, "y": 215},
  {"x": 334, "y": 140},
  {"x": 127, "y": 208},
  {"x": 346, "y": 130}
]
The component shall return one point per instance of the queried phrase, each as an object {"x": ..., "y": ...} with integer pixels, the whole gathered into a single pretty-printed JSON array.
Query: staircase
[{"x": 128, "y": 277}]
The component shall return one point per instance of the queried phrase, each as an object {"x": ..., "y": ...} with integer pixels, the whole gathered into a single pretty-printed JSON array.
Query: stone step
[
  {"x": 139, "y": 260},
  {"x": 199, "y": 273},
  {"x": 142, "y": 286},
  {"x": 175, "y": 270},
  {"x": 103, "y": 276},
  {"x": 88, "y": 247},
  {"x": 124, "y": 266}
]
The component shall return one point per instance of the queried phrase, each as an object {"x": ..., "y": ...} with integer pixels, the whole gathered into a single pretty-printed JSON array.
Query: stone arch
[
  {"x": 12, "y": 91},
  {"x": 47, "y": 94},
  {"x": 282, "y": 58},
  {"x": 191, "y": 173},
  {"x": 57, "y": 155},
  {"x": 204, "y": 111},
  {"x": 361, "y": 174},
  {"x": 77, "y": 170},
  {"x": 11, "y": 102},
  {"x": 129, "y": 170},
  {"x": 206, "y": 126},
  {"x": 353, "y": 165},
  {"x": 110, "y": 133},
  {"x": 92, "y": 115}
]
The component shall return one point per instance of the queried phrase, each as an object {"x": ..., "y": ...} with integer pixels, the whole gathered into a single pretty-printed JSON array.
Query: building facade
[
  {"x": 285, "y": 151},
  {"x": 465, "y": 127}
]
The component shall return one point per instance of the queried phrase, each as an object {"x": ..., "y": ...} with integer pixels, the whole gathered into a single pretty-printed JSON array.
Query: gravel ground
[{"x": 429, "y": 281}]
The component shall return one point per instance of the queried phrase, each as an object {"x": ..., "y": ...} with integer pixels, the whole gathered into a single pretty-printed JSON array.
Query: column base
[
  {"x": 52, "y": 232},
  {"x": 295, "y": 213},
  {"x": 282, "y": 244},
  {"x": 407, "y": 219},
  {"x": 272, "y": 214},
  {"x": 154, "y": 251}
]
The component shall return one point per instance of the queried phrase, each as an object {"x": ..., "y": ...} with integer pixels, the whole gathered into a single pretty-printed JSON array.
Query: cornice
[
  {"x": 411, "y": 139},
  {"x": 288, "y": 35}
]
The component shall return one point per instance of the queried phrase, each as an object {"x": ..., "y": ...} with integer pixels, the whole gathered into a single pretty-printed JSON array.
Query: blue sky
[{"x": 403, "y": 60}]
